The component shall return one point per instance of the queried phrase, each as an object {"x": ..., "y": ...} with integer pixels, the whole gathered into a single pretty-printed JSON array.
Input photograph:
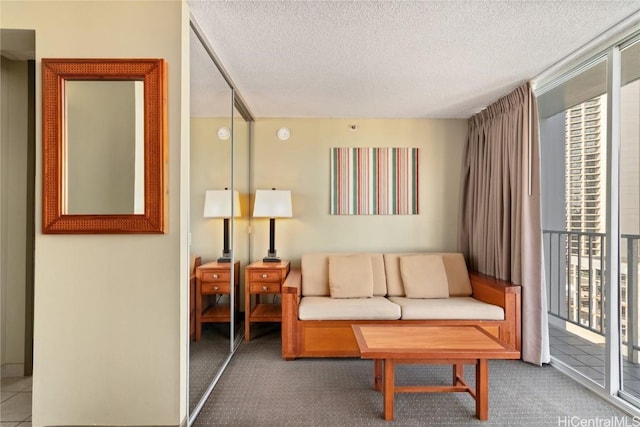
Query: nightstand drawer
[
  {"x": 265, "y": 288},
  {"x": 216, "y": 288},
  {"x": 266, "y": 276},
  {"x": 215, "y": 276}
]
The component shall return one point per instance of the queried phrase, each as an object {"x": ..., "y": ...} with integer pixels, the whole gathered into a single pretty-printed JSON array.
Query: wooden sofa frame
[{"x": 334, "y": 338}]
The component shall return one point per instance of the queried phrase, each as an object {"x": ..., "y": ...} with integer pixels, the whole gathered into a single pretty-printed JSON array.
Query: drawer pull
[
  {"x": 215, "y": 276},
  {"x": 215, "y": 288},
  {"x": 264, "y": 288},
  {"x": 265, "y": 275}
]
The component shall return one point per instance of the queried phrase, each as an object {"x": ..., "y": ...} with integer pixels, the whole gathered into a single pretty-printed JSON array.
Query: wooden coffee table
[{"x": 445, "y": 345}]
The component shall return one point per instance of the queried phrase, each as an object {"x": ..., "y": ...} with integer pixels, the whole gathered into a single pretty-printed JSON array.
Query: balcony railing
[{"x": 575, "y": 266}]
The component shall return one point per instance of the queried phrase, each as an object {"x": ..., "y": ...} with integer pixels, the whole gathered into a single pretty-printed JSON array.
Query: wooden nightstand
[
  {"x": 214, "y": 279},
  {"x": 263, "y": 278}
]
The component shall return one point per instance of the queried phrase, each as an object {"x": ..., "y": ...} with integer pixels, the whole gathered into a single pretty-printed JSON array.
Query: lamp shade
[
  {"x": 272, "y": 204},
  {"x": 217, "y": 204}
]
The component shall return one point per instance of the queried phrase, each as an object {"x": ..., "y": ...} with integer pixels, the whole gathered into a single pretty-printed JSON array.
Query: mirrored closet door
[
  {"x": 212, "y": 210},
  {"x": 220, "y": 217}
]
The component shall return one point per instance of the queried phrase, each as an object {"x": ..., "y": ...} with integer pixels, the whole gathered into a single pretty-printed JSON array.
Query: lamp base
[
  {"x": 271, "y": 256},
  {"x": 226, "y": 256}
]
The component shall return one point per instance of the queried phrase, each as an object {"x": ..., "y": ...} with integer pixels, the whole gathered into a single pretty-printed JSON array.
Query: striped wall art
[{"x": 374, "y": 181}]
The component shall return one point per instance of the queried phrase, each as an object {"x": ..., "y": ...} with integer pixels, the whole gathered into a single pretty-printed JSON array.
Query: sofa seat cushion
[
  {"x": 454, "y": 308},
  {"x": 327, "y": 308}
]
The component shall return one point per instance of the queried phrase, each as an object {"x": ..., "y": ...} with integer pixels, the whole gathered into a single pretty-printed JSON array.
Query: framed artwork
[{"x": 374, "y": 181}]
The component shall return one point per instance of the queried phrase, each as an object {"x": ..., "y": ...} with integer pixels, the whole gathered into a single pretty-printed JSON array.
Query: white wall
[
  {"x": 13, "y": 210},
  {"x": 109, "y": 320},
  {"x": 301, "y": 164}
]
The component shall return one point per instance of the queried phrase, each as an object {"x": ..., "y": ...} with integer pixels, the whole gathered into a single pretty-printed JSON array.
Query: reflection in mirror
[
  {"x": 210, "y": 169},
  {"x": 104, "y": 147}
]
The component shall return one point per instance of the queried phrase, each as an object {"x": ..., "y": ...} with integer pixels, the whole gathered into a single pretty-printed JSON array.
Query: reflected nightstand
[{"x": 213, "y": 280}]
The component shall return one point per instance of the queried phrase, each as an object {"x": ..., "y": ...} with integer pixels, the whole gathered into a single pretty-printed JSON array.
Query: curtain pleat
[{"x": 500, "y": 231}]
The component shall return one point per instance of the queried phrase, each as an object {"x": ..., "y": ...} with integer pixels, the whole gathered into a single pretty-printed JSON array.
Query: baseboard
[
  {"x": 109, "y": 425},
  {"x": 12, "y": 370}
]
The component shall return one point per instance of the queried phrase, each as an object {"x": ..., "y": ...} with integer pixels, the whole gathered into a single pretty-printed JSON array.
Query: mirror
[
  {"x": 103, "y": 167},
  {"x": 104, "y": 144},
  {"x": 211, "y": 146}
]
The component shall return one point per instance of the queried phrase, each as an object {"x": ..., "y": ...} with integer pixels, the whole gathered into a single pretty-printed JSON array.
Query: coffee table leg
[
  {"x": 388, "y": 385},
  {"x": 482, "y": 390},
  {"x": 458, "y": 372},
  {"x": 377, "y": 374}
]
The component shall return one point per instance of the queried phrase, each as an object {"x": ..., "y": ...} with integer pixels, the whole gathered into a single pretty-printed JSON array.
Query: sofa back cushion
[
  {"x": 454, "y": 264},
  {"x": 424, "y": 276},
  {"x": 315, "y": 273},
  {"x": 350, "y": 276}
]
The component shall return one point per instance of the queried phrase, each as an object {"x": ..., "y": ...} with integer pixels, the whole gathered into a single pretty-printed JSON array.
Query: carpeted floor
[
  {"x": 260, "y": 389},
  {"x": 206, "y": 357}
]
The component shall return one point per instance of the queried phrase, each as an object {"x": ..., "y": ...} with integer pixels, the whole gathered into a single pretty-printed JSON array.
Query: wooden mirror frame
[{"x": 54, "y": 74}]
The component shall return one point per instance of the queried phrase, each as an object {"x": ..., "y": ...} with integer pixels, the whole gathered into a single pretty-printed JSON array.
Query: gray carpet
[
  {"x": 260, "y": 389},
  {"x": 205, "y": 358}
]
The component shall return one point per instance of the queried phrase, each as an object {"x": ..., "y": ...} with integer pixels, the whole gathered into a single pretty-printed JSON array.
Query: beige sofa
[{"x": 325, "y": 297}]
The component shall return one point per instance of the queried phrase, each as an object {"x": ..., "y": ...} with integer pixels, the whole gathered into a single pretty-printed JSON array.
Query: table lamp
[{"x": 272, "y": 204}]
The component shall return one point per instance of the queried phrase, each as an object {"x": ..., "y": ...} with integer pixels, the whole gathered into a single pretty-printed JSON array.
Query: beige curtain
[{"x": 500, "y": 231}]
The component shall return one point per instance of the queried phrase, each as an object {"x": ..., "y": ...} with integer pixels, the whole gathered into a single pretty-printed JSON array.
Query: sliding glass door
[
  {"x": 590, "y": 160},
  {"x": 573, "y": 121},
  {"x": 629, "y": 179}
]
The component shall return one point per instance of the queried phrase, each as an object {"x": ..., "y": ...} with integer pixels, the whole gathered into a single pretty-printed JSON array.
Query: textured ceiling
[{"x": 392, "y": 59}]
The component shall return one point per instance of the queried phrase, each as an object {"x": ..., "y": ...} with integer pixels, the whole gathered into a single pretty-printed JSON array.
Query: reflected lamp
[{"x": 222, "y": 204}]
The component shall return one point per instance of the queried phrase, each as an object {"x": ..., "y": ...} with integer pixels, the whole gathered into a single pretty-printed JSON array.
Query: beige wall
[
  {"x": 301, "y": 164},
  {"x": 210, "y": 170},
  {"x": 110, "y": 330},
  {"x": 13, "y": 202}
]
